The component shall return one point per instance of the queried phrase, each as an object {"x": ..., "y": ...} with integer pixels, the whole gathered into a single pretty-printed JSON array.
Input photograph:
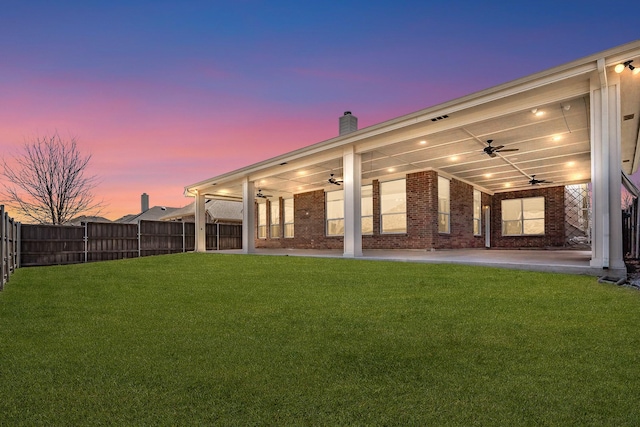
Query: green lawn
[{"x": 204, "y": 339}]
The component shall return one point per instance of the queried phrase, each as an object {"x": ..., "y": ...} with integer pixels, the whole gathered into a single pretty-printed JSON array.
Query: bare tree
[{"x": 47, "y": 181}]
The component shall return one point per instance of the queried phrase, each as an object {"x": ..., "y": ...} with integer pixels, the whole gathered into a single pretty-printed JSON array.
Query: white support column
[
  {"x": 201, "y": 223},
  {"x": 352, "y": 177},
  {"x": 248, "y": 217},
  {"x": 606, "y": 172}
]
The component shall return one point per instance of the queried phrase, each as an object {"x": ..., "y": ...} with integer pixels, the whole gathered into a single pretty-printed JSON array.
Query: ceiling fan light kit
[
  {"x": 333, "y": 180},
  {"x": 492, "y": 150}
]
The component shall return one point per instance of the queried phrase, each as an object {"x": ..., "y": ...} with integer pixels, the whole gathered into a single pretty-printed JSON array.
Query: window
[
  {"x": 393, "y": 206},
  {"x": 523, "y": 217},
  {"x": 444, "y": 205},
  {"x": 335, "y": 213},
  {"x": 274, "y": 229},
  {"x": 262, "y": 221},
  {"x": 288, "y": 218},
  {"x": 477, "y": 212},
  {"x": 367, "y": 209}
]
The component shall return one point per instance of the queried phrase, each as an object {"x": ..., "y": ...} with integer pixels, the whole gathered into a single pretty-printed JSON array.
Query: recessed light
[
  {"x": 507, "y": 185},
  {"x": 488, "y": 175},
  {"x": 453, "y": 158},
  {"x": 556, "y": 138},
  {"x": 423, "y": 142},
  {"x": 537, "y": 112},
  {"x": 571, "y": 164},
  {"x": 391, "y": 170}
]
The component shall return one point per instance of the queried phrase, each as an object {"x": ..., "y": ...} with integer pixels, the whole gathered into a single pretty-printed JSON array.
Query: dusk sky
[{"x": 163, "y": 94}]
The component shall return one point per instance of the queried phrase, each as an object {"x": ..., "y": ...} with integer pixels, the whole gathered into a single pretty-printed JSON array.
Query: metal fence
[
  {"x": 9, "y": 246},
  {"x": 631, "y": 230},
  {"x": 94, "y": 241}
]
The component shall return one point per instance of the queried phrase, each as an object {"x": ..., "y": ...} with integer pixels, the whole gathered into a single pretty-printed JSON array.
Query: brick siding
[{"x": 422, "y": 219}]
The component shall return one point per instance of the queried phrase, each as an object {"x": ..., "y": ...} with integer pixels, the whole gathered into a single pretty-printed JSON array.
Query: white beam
[
  {"x": 248, "y": 216},
  {"x": 352, "y": 177},
  {"x": 200, "y": 223},
  {"x": 606, "y": 171}
]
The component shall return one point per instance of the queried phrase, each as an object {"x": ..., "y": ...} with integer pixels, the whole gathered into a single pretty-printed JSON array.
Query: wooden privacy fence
[
  {"x": 95, "y": 241},
  {"x": 9, "y": 246}
]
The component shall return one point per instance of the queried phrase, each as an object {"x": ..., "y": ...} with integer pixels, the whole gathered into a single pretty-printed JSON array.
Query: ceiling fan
[
  {"x": 534, "y": 181},
  {"x": 263, "y": 196},
  {"x": 491, "y": 150},
  {"x": 332, "y": 180}
]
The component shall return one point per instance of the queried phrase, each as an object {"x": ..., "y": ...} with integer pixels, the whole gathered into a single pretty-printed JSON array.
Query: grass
[{"x": 203, "y": 339}]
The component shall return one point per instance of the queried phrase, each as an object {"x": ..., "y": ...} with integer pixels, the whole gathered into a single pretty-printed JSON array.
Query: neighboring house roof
[
  {"x": 86, "y": 218},
  {"x": 152, "y": 214},
  {"x": 452, "y": 137},
  {"x": 218, "y": 210}
]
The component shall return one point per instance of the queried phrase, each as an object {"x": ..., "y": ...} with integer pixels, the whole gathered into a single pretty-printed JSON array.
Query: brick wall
[
  {"x": 554, "y": 234},
  {"x": 461, "y": 232},
  {"x": 422, "y": 219}
]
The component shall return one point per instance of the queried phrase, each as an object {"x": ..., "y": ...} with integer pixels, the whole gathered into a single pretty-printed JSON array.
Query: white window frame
[
  {"x": 444, "y": 205},
  {"x": 477, "y": 212},
  {"x": 262, "y": 220},
  {"x": 274, "y": 219},
  {"x": 338, "y": 204},
  {"x": 288, "y": 218},
  {"x": 396, "y": 210},
  {"x": 366, "y": 204},
  {"x": 524, "y": 218}
]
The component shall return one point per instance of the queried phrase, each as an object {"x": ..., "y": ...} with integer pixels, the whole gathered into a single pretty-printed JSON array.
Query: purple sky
[{"x": 168, "y": 93}]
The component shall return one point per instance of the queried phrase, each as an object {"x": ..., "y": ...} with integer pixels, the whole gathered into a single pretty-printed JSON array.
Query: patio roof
[{"x": 545, "y": 117}]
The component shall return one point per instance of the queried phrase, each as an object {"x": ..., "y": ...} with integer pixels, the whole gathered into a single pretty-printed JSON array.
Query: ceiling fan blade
[
  {"x": 492, "y": 154},
  {"x": 499, "y": 147},
  {"x": 508, "y": 149}
]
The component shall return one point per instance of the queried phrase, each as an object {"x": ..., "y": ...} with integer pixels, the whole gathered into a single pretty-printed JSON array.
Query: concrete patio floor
[{"x": 557, "y": 261}]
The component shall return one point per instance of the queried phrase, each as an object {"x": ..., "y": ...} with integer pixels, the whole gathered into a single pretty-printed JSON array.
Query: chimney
[
  {"x": 145, "y": 202},
  {"x": 348, "y": 123}
]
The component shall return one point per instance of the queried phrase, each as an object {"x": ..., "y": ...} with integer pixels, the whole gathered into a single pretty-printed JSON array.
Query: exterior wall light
[{"x": 620, "y": 67}]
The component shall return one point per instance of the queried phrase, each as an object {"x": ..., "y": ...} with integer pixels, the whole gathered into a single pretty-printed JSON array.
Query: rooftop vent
[{"x": 348, "y": 123}]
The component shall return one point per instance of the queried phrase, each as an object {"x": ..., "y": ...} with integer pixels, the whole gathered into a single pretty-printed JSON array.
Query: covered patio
[{"x": 571, "y": 125}]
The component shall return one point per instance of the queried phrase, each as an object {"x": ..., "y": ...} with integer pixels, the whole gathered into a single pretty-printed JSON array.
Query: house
[
  {"x": 532, "y": 163},
  {"x": 79, "y": 220},
  {"x": 217, "y": 211},
  {"x": 154, "y": 213}
]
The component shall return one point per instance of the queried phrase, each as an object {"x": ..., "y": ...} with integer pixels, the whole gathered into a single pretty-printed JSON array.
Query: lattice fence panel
[{"x": 577, "y": 213}]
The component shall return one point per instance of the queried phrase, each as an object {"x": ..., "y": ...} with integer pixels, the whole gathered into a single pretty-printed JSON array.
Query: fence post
[
  {"x": 11, "y": 238},
  {"x": 18, "y": 244},
  {"x": 217, "y": 236},
  {"x": 139, "y": 247},
  {"x": 184, "y": 237},
  {"x": 86, "y": 242},
  {"x": 2, "y": 248}
]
